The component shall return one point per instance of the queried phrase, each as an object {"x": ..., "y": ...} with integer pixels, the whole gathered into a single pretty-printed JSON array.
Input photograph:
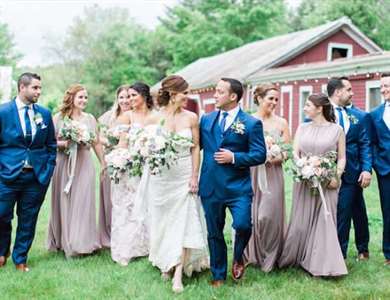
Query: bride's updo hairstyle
[
  {"x": 170, "y": 85},
  {"x": 327, "y": 108}
]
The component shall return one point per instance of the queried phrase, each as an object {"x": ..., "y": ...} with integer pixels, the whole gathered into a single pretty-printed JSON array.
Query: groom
[
  {"x": 232, "y": 141},
  {"x": 27, "y": 160}
]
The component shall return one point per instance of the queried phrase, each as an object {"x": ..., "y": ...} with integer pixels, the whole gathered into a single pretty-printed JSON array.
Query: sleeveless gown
[
  {"x": 176, "y": 217},
  {"x": 268, "y": 217},
  {"x": 123, "y": 196},
  {"x": 311, "y": 241}
]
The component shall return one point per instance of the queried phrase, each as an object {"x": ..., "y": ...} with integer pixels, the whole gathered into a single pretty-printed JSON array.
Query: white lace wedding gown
[{"x": 176, "y": 217}]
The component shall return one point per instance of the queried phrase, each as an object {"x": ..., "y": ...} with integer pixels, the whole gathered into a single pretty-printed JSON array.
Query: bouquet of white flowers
[
  {"x": 277, "y": 148},
  {"x": 112, "y": 135},
  {"x": 76, "y": 132},
  {"x": 158, "y": 148},
  {"x": 315, "y": 169},
  {"x": 123, "y": 161}
]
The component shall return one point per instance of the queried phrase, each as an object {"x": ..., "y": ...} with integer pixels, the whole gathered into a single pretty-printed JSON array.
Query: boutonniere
[
  {"x": 38, "y": 119},
  {"x": 238, "y": 127},
  {"x": 353, "y": 119}
]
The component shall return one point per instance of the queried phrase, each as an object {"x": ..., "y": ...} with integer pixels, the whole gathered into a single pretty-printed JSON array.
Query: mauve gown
[
  {"x": 311, "y": 240},
  {"x": 72, "y": 226},
  {"x": 105, "y": 207},
  {"x": 268, "y": 217}
]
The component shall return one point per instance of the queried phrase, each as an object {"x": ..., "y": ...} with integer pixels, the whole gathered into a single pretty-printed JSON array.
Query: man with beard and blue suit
[
  {"x": 27, "y": 160},
  {"x": 232, "y": 142},
  {"x": 357, "y": 173},
  {"x": 380, "y": 124}
]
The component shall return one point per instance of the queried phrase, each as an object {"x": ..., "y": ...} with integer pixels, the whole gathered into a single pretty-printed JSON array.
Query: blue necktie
[
  {"x": 28, "y": 125},
  {"x": 223, "y": 121},
  {"x": 340, "y": 114}
]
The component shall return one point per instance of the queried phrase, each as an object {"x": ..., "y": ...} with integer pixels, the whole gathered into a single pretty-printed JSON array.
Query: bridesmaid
[
  {"x": 268, "y": 207},
  {"x": 109, "y": 119},
  {"x": 72, "y": 226},
  {"x": 128, "y": 240},
  {"x": 311, "y": 241}
]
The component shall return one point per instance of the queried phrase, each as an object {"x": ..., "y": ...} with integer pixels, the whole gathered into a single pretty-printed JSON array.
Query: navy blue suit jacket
[
  {"x": 14, "y": 150},
  {"x": 228, "y": 181},
  {"x": 381, "y": 141},
  {"x": 358, "y": 145}
]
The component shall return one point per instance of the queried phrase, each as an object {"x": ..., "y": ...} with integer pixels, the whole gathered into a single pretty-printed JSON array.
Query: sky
[{"x": 31, "y": 20}]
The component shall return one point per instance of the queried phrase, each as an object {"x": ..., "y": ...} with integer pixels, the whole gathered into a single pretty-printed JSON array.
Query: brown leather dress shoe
[
  {"x": 387, "y": 262},
  {"x": 238, "y": 270},
  {"x": 217, "y": 283},
  {"x": 22, "y": 268},
  {"x": 363, "y": 256}
]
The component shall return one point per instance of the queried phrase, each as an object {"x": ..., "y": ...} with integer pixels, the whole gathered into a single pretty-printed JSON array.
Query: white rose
[{"x": 307, "y": 172}]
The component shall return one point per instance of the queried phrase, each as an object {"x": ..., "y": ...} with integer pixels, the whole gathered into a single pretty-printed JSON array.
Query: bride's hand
[{"x": 194, "y": 185}]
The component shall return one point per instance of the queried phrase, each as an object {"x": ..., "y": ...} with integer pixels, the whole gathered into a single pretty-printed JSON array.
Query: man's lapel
[
  {"x": 16, "y": 118},
  {"x": 240, "y": 116}
]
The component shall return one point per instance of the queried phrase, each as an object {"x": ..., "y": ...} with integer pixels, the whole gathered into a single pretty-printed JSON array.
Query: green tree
[
  {"x": 105, "y": 48},
  {"x": 200, "y": 28},
  {"x": 8, "y": 55},
  {"x": 370, "y": 16}
]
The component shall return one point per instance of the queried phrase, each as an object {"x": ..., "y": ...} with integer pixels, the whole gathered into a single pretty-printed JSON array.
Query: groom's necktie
[
  {"x": 28, "y": 125},
  {"x": 223, "y": 121},
  {"x": 340, "y": 116}
]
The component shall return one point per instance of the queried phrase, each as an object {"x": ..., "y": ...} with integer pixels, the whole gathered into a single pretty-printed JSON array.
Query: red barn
[{"x": 300, "y": 63}]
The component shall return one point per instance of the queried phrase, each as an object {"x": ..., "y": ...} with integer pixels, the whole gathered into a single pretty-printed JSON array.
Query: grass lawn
[{"x": 97, "y": 277}]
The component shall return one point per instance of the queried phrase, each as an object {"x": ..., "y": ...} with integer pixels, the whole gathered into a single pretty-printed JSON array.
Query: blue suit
[
  {"x": 381, "y": 163},
  {"x": 228, "y": 185},
  {"x": 26, "y": 187},
  {"x": 351, "y": 202}
]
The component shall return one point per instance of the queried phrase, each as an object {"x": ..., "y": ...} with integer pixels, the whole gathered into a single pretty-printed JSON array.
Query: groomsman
[
  {"x": 357, "y": 174},
  {"x": 27, "y": 160},
  {"x": 380, "y": 122}
]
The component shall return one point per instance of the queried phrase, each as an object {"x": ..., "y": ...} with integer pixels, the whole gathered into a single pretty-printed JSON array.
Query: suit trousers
[
  {"x": 215, "y": 212},
  {"x": 28, "y": 195},
  {"x": 384, "y": 193}
]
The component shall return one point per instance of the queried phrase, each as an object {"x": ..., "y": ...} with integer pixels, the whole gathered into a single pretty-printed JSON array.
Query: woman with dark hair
[
  {"x": 72, "y": 225},
  {"x": 109, "y": 122},
  {"x": 177, "y": 227},
  {"x": 311, "y": 241},
  {"x": 129, "y": 237},
  {"x": 268, "y": 207}
]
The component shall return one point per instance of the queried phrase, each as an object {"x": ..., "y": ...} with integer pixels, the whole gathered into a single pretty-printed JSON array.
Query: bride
[{"x": 177, "y": 227}]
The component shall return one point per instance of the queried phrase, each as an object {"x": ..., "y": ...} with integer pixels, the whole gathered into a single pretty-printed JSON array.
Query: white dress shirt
[
  {"x": 232, "y": 114},
  {"x": 386, "y": 114},
  {"x": 21, "y": 107},
  {"x": 347, "y": 123}
]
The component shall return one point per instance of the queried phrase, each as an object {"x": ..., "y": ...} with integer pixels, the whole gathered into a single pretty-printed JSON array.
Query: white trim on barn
[
  {"x": 324, "y": 88},
  {"x": 347, "y": 47},
  {"x": 287, "y": 89},
  {"x": 371, "y": 84},
  {"x": 303, "y": 89}
]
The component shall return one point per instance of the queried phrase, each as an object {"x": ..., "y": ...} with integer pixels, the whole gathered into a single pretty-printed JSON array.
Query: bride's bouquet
[
  {"x": 76, "y": 132},
  {"x": 158, "y": 147},
  {"x": 315, "y": 169},
  {"x": 277, "y": 148}
]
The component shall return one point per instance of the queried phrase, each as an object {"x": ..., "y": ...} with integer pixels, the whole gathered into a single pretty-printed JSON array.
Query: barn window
[
  {"x": 373, "y": 94},
  {"x": 338, "y": 50},
  {"x": 304, "y": 93}
]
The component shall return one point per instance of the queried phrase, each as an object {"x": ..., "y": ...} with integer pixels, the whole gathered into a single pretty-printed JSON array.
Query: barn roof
[
  {"x": 246, "y": 60},
  {"x": 363, "y": 64}
]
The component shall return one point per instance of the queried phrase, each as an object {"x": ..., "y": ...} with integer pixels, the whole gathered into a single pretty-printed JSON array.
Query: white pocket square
[{"x": 43, "y": 126}]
